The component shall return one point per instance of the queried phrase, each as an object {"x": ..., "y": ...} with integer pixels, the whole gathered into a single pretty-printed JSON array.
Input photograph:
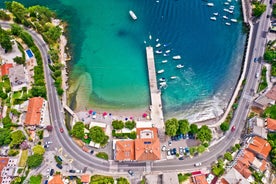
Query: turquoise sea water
[{"x": 109, "y": 46}]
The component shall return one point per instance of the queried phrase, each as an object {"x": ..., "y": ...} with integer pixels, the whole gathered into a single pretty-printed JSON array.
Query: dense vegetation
[
  {"x": 263, "y": 82},
  {"x": 34, "y": 161},
  {"x": 270, "y": 112},
  {"x": 272, "y": 141},
  {"x": 36, "y": 179},
  {"x": 102, "y": 155},
  {"x": 270, "y": 56},
  {"x": 97, "y": 135},
  {"x": 274, "y": 10},
  {"x": 258, "y": 8},
  {"x": 5, "y": 40},
  {"x": 100, "y": 179}
]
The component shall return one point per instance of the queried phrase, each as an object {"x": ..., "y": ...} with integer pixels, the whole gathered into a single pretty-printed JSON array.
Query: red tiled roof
[
  {"x": 200, "y": 179},
  {"x": 57, "y": 179},
  {"x": 272, "y": 93},
  {"x": 223, "y": 181},
  {"x": 5, "y": 68},
  {"x": 260, "y": 146},
  {"x": 85, "y": 178},
  {"x": 33, "y": 114},
  {"x": 242, "y": 169},
  {"x": 263, "y": 166},
  {"x": 3, "y": 163},
  {"x": 271, "y": 124},
  {"x": 125, "y": 150},
  {"x": 247, "y": 158}
]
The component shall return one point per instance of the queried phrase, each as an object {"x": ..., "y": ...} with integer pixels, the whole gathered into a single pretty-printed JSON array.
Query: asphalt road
[{"x": 84, "y": 159}]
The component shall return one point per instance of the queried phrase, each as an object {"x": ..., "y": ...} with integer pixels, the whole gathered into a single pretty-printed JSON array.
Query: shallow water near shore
[{"x": 109, "y": 61}]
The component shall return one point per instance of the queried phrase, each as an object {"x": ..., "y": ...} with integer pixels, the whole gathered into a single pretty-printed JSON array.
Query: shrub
[{"x": 102, "y": 155}]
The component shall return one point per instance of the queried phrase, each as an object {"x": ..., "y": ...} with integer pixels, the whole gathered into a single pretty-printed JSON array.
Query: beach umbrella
[
  {"x": 144, "y": 115},
  {"x": 110, "y": 114},
  {"x": 90, "y": 111},
  {"x": 131, "y": 117},
  {"x": 126, "y": 119},
  {"x": 94, "y": 113},
  {"x": 105, "y": 113}
]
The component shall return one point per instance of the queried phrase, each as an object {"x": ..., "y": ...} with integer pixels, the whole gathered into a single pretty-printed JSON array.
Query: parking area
[{"x": 178, "y": 145}]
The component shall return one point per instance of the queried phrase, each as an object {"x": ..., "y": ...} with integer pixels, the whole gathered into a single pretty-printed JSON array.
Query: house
[
  {"x": 57, "y": 179},
  {"x": 124, "y": 150},
  {"x": 18, "y": 77},
  {"x": 271, "y": 93},
  {"x": 147, "y": 144},
  {"x": 260, "y": 147},
  {"x": 199, "y": 179},
  {"x": 85, "y": 179},
  {"x": 243, "y": 169},
  {"x": 5, "y": 68},
  {"x": 262, "y": 102},
  {"x": 35, "y": 112},
  {"x": 271, "y": 124},
  {"x": 233, "y": 176},
  {"x": 7, "y": 169}
]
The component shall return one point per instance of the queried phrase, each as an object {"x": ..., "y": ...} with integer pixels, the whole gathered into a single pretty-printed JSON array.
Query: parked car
[
  {"x": 180, "y": 150},
  {"x": 59, "y": 166},
  {"x": 169, "y": 143},
  {"x": 78, "y": 171},
  {"x": 49, "y": 142},
  {"x": 130, "y": 172},
  {"x": 169, "y": 152},
  {"x": 163, "y": 148},
  {"x": 187, "y": 150},
  {"x": 198, "y": 164},
  {"x": 181, "y": 158},
  {"x": 46, "y": 146},
  {"x": 72, "y": 171},
  {"x": 52, "y": 172},
  {"x": 233, "y": 128},
  {"x": 46, "y": 182}
]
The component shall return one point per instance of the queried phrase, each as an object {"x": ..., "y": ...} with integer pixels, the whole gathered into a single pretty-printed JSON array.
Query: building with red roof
[
  {"x": 35, "y": 112},
  {"x": 199, "y": 179},
  {"x": 3, "y": 163},
  {"x": 260, "y": 147},
  {"x": 5, "y": 68},
  {"x": 124, "y": 150},
  {"x": 271, "y": 124}
]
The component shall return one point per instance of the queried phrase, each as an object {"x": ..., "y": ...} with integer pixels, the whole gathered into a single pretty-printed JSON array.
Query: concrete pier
[{"x": 156, "y": 112}]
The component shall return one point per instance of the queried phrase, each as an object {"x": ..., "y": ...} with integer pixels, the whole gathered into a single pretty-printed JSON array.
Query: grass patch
[
  {"x": 102, "y": 155},
  {"x": 263, "y": 83},
  {"x": 35, "y": 179},
  {"x": 23, "y": 159},
  {"x": 183, "y": 177}
]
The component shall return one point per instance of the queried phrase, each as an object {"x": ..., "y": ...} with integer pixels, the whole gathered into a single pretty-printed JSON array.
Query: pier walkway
[
  {"x": 156, "y": 112},
  {"x": 72, "y": 113}
]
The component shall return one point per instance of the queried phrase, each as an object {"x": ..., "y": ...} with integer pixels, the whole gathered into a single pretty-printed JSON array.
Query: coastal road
[{"x": 84, "y": 159}]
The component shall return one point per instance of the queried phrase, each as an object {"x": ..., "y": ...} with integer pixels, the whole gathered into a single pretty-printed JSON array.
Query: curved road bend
[{"x": 86, "y": 160}]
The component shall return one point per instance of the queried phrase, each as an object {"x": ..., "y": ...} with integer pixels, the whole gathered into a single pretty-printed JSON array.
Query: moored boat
[
  {"x": 160, "y": 71},
  {"x": 173, "y": 77},
  {"x": 210, "y": 4},
  {"x": 177, "y": 57},
  {"x": 216, "y": 13},
  {"x": 168, "y": 51},
  {"x": 162, "y": 79},
  {"x": 164, "y": 61},
  {"x": 179, "y": 66},
  {"x": 158, "y": 45},
  {"x": 132, "y": 14},
  {"x": 213, "y": 18},
  {"x": 158, "y": 51},
  {"x": 234, "y": 20},
  {"x": 225, "y": 17},
  {"x": 227, "y": 23}
]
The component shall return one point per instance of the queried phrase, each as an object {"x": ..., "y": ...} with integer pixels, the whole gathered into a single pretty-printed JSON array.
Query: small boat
[
  {"x": 158, "y": 45},
  {"x": 225, "y": 17},
  {"x": 213, "y": 18},
  {"x": 227, "y": 23},
  {"x": 226, "y": 3},
  {"x": 132, "y": 14},
  {"x": 164, "y": 61},
  {"x": 162, "y": 79},
  {"x": 150, "y": 37},
  {"x": 165, "y": 54},
  {"x": 168, "y": 51},
  {"x": 234, "y": 20},
  {"x": 177, "y": 57},
  {"x": 210, "y": 4},
  {"x": 160, "y": 71},
  {"x": 230, "y": 11},
  {"x": 145, "y": 42},
  {"x": 163, "y": 84},
  {"x": 158, "y": 51},
  {"x": 157, "y": 40},
  {"x": 173, "y": 77},
  {"x": 231, "y": 7},
  {"x": 216, "y": 14},
  {"x": 229, "y": 1},
  {"x": 179, "y": 66},
  {"x": 225, "y": 9}
]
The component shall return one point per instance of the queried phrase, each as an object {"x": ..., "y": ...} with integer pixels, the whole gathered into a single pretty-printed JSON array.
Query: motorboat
[
  {"x": 210, "y": 4},
  {"x": 231, "y": 7},
  {"x": 145, "y": 42},
  {"x": 179, "y": 66},
  {"x": 150, "y": 37},
  {"x": 162, "y": 79},
  {"x": 177, "y": 57},
  {"x": 157, "y": 39},
  {"x": 216, "y": 14},
  {"x": 158, "y": 51},
  {"x": 225, "y": 17},
  {"x": 164, "y": 61},
  {"x": 234, "y": 20},
  {"x": 226, "y": 3},
  {"x": 160, "y": 71},
  {"x": 163, "y": 84},
  {"x": 227, "y": 23},
  {"x": 158, "y": 45},
  {"x": 225, "y": 9},
  {"x": 173, "y": 77},
  {"x": 213, "y": 18},
  {"x": 132, "y": 14},
  {"x": 165, "y": 54},
  {"x": 168, "y": 51}
]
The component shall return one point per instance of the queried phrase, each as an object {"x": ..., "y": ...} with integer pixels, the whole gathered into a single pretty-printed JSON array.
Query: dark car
[
  {"x": 91, "y": 152},
  {"x": 130, "y": 172},
  {"x": 46, "y": 182},
  {"x": 52, "y": 172},
  {"x": 181, "y": 158},
  {"x": 59, "y": 166},
  {"x": 72, "y": 171}
]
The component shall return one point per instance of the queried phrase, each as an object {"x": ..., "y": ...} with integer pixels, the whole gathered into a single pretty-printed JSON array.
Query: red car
[
  {"x": 61, "y": 130},
  {"x": 233, "y": 128}
]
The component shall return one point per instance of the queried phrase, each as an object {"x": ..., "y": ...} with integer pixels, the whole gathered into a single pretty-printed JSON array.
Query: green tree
[
  {"x": 200, "y": 149},
  {"x": 122, "y": 180},
  {"x": 4, "y": 16},
  {"x": 274, "y": 10},
  {"x": 258, "y": 9},
  {"x": 97, "y": 134},
  {"x": 19, "y": 60},
  {"x": 35, "y": 160},
  {"x": 13, "y": 152},
  {"x": 171, "y": 127},
  {"x": 184, "y": 126},
  {"x": 224, "y": 126},
  {"x": 204, "y": 134},
  {"x": 5, "y": 136},
  {"x": 118, "y": 124},
  {"x": 193, "y": 150},
  {"x": 273, "y": 153},
  {"x": 238, "y": 146},
  {"x": 193, "y": 128},
  {"x": 130, "y": 124},
  {"x": 102, "y": 155},
  {"x": 78, "y": 130},
  {"x": 228, "y": 156},
  {"x": 16, "y": 29},
  {"x": 38, "y": 150},
  {"x": 17, "y": 138},
  {"x": 36, "y": 179},
  {"x": 5, "y": 40}
]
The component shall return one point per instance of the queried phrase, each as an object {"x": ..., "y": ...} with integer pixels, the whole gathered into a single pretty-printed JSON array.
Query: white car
[
  {"x": 163, "y": 148},
  {"x": 198, "y": 164},
  {"x": 169, "y": 152}
]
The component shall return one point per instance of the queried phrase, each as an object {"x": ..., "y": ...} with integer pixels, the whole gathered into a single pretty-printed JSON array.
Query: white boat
[
  {"x": 173, "y": 77},
  {"x": 177, "y": 57},
  {"x": 230, "y": 11},
  {"x": 227, "y": 23},
  {"x": 229, "y": 1},
  {"x": 157, "y": 40},
  {"x": 226, "y": 10},
  {"x": 213, "y": 18},
  {"x": 234, "y": 20},
  {"x": 168, "y": 51},
  {"x": 225, "y": 17},
  {"x": 150, "y": 37},
  {"x": 179, "y": 66},
  {"x": 158, "y": 51},
  {"x": 226, "y": 3},
  {"x": 231, "y": 7},
  {"x": 165, "y": 54},
  {"x": 162, "y": 79},
  {"x": 210, "y": 4},
  {"x": 158, "y": 45},
  {"x": 216, "y": 14},
  {"x": 132, "y": 14},
  {"x": 164, "y": 61},
  {"x": 160, "y": 71},
  {"x": 163, "y": 84}
]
